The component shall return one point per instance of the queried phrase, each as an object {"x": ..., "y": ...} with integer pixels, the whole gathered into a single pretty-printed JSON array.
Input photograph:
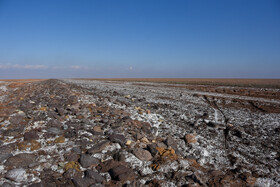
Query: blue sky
[{"x": 140, "y": 38}]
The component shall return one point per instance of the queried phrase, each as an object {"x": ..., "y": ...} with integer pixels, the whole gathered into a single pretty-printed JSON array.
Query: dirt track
[{"x": 83, "y": 132}]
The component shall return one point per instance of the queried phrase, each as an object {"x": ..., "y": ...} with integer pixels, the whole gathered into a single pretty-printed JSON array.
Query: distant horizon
[
  {"x": 141, "y": 38},
  {"x": 133, "y": 78}
]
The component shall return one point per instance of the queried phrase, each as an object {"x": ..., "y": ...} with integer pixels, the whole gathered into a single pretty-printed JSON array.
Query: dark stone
[
  {"x": 142, "y": 154},
  {"x": 39, "y": 184},
  {"x": 118, "y": 138},
  {"x": 170, "y": 142},
  {"x": 99, "y": 147},
  {"x": 109, "y": 164},
  {"x": 128, "y": 176},
  {"x": 4, "y": 156},
  {"x": 54, "y": 123},
  {"x": 70, "y": 134},
  {"x": 17, "y": 119},
  {"x": 152, "y": 149},
  {"x": 21, "y": 160},
  {"x": 119, "y": 156},
  {"x": 71, "y": 157},
  {"x": 8, "y": 148},
  {"x": 121, "y": 173},
  {"x": 13, "y": 132},
  {"x": 86, "y": 160},
  {"x": 82, "y": 182},
  {"x": 7, "y": 184},
  {"x": 60, "y": 111},
  {"x": 97, "y": 185},
  {"x": 77, "y": 150},
  {"x": 72, "y": 173},
  {"x": 94, "y": 175},
  {"x": 31, "y": 135}
]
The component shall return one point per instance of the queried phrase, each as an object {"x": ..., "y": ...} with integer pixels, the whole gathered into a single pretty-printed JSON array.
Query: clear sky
[{"x": 140, "y": 38}]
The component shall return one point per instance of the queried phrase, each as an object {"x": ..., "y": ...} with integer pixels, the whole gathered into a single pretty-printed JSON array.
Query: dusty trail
[{"x": 103, "y": 133}]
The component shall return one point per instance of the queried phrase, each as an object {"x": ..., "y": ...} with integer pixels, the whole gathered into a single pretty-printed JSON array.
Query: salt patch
[{"x": 3, "y": 88}]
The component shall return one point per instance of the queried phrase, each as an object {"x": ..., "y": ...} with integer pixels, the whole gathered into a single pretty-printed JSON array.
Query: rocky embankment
[{"x": 93, "y": 133}]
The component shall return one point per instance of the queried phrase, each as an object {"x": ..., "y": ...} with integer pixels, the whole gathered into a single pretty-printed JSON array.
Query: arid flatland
[{"x": 139, "y": 132}]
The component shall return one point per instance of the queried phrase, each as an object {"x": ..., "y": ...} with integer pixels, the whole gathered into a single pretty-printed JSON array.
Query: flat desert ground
[{"x": 140, "y": 132}]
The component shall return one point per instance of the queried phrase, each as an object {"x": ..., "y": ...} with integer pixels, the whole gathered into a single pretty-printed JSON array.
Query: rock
[
  {"x": 99, "y": 147},
  {"x": 76, "y": 150},
  {"x": 8, "y": 148},
  {"x": 109, "y": 164},
  {"x": 54, "y": 130},
  {"x": 145, "y": 140},
  {"x": 170, "y": 142},
  {"x": 119, "y": 156},
  {"x": 17, "y": 119},
  {"x": 71, "y": 133},
  {"x": 31, "y": 135},
  {"x": 86, "y": 160},
  {"x": 73, "y": 165},
  {"x": 72, "y": 173},
  {"x": 4, "y": 156},
  {"x": 117, "y": 138},
  {"x": 35, "y": 145},
  {"x": 142, "y": 154},
  {"x": 7, "y": 184},
  {"x": 94, "y": 175},
  {"x": 60, "y": 111},
  {"x": 128, "y": 142},
  {"x": 13, "y": 132},
  {"x": 122, "y": 173},
  {"x": 190, "y": 138},
  {"x": 82, "y": 182},
  {"x": 152, "y": 149},
  {"x": 97, "y": 185},
  {"x": 17, "y": 175},
  {"x": 60, "y": 139},
  {"x": 251, "y": 181},
  {"x": 21, "y": 160},
  {"x": 200, "y": 177},
  {"x": 71, "y": 157},
  {"x": 97, "y": 129}
]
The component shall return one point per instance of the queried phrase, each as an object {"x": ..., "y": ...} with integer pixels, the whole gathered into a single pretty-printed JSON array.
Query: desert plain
[{"x": 140, "y": 132}]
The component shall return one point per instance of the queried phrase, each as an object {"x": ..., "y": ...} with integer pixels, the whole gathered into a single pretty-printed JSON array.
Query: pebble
[
  {"x": 72, "y": 173},
  {"x": 190, "y": 138},
  {"x": 55, "y": 131},
  {"x": 121, "y": 173},
  {"x": 87, "y": 160},
  {"x": 82, "y": 182},
  {"x": 99, "y": 147},
  {"x": 17, "y": 175},
  {"x": 117, "y": 138},
  {"x": 94, "y": 175},
  {"x": 142, "y": 154},
  {"x": 21, "y": 160}
]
